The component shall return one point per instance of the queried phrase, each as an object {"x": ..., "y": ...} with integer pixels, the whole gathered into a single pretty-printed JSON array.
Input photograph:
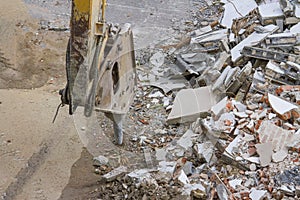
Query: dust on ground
[{"x": 29, "y": 56}]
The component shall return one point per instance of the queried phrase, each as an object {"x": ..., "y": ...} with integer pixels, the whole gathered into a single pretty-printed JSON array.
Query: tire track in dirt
[{"x": 35, "y": 161}]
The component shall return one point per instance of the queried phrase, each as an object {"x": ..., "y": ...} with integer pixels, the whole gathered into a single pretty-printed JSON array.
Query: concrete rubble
[{"x": 240, "y": 108}]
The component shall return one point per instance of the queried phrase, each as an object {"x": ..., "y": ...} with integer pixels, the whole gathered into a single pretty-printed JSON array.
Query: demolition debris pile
[{"x": 236, "y": 85}]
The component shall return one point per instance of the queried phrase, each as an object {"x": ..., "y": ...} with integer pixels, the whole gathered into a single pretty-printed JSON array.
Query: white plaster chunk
[
  {"x": 206, "y": 150},
  {"x": 248, "y": 137},
  {"x": 236, "y": 9},
  {"x": 157, "y": 59},
  {"x": 160, "y": 154},
  {"x": 168, "y": 167},
  {"x": 265, "y": 152},
  {"x": 253, "y": 160},
  {"x": 270, "y": 10},
  {"x": 182, "y": 178},
  {"x": 235, "y": 183},
  {"x": 186, "y": 141},
  {"x": 239, "y": 106},
  {"x": 220, "y": 107},
  {"x": 252, "y": 167},
  {"x": 297, "y": 10},
  {"x": 240, "y": 114},
  {"x": 234, "y": 144},
  {"x": 295, "y": 28},
  {"x": 279, "y": 105},
  {"x": 257, "y": 194},
  {"x": 280, "y": 155}
]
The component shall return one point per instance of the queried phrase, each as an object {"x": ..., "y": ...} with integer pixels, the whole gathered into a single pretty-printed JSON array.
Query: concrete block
[{"x": 190, "y": 104}]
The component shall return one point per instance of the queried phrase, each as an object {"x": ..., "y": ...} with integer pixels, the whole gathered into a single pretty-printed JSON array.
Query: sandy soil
[{"x": 35, "y": 155}]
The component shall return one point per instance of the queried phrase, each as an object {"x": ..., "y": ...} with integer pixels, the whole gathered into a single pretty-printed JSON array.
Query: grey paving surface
[{"x": 151, "y": 20}]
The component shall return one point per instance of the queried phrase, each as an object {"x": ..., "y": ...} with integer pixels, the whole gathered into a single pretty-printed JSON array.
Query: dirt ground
[{"x": 41, "y": 160}]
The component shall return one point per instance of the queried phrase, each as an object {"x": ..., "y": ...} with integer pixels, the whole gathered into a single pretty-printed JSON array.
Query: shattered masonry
[{"x": 236, "y": 85}]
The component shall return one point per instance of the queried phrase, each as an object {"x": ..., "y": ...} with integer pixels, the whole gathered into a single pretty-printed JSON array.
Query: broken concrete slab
[
  {"x": 182, "y": 178},
  {"x": 167, "y": 167},
  {"x": 188, "y": 168},
  {"x": 148, "y": 158},
  {"x": 281, "y": 39},
  {"x": 265, "y": 152},
  {"x": 284, "y": 72},
  {"x": 186, "y": 141},
  {"x": 235, "y": 183},
  {"x": 295, "y": 29},
  {"x": 202, "y": 31},
  {"x": 251, "y": 40},
  {"x": 267, "y": 54},
  {"x": 206, "y": 150},
  {"x": 220, "y": 81},
  {"x": 220, "y": 107},
  {"x": 213, "y": 36},
  {"x": 257, "y": 194},
  {"x": 190, "y": 104},
  {"x": 115, "y": 173},
  {"x": 169, "y": 85},
  {"x": 219, "y": 64},
  {"x": 278, "y": 137},
  {"x": 160, "y": 154},
  {"x": 280, "y": 155},
  {"x": 236, "y": 9},
  {"x": 270, "y": 12},
  {"x": 281, "y": 107},
  {"x": 222, "y": 192}
]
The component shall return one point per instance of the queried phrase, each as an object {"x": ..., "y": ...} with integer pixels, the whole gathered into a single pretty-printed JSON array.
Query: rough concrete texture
[{"x": 189, "y": 104}]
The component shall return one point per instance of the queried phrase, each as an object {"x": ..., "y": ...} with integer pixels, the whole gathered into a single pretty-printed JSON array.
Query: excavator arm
[{"x": 100, "y": 64}]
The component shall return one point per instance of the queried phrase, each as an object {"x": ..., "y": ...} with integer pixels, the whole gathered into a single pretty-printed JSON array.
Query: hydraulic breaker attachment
[{"x": 100, "y": 64}]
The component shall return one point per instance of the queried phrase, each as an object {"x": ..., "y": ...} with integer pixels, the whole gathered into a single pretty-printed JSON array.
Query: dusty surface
[
  {"x": 32, "y": 165},
  {"x": 29, "y": 56},
  {"x": 35, "y": 155}
]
